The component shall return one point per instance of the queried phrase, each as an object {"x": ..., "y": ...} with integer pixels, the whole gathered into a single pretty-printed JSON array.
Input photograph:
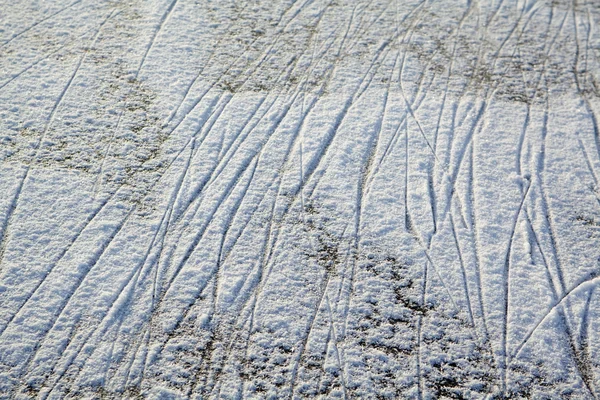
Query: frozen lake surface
[{"x": 292, "y": 199}]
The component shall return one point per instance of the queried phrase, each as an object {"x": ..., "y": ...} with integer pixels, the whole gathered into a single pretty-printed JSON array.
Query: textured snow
[{"x": 294, "y": 199}]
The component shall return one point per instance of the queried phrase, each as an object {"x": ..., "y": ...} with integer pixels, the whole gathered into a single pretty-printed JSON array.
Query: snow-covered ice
[{"x": 299, "y": 198}]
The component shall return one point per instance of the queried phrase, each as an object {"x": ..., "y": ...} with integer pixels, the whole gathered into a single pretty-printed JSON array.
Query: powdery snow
[{"x": 294, "y": 199}]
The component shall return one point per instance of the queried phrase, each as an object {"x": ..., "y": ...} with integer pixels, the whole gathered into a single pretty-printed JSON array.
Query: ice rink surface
[{"x": 297, "y": 199}]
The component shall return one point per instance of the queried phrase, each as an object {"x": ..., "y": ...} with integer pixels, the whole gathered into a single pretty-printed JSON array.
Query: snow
[{"x": 292, "y": 199}]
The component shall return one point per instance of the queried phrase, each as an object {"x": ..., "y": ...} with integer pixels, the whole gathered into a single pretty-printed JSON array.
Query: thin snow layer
[{"x": 290, "y": 199}]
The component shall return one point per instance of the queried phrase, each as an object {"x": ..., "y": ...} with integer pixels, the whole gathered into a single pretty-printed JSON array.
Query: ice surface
[{"x": 298, "y": 199}]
